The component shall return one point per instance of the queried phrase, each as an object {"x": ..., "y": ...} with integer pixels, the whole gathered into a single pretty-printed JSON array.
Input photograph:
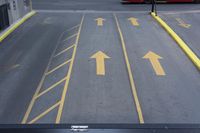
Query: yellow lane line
[
  {"x": 68, "y": 75},
  {"x": 16, "y": 25},
  {"x": 192, "y": 56},
  {"x": 44, "y": 113},
  {"x": 50, "y": 88},
  {"x": 74, "y": 27},
  {"x": 70, "y": 37},
  {"x": 28, "y": 111},
  {"x": 65, "y": 50},
  {"x": 59, "y": 66},
  {"x": 133, "y": 87}
]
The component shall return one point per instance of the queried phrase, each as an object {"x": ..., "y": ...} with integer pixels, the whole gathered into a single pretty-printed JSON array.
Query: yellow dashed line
[
  {"x": 68, "y": 75},
  {"x": 51, "y": 87},
  {"x": 73, "y": 27},
  {"x": 70, "y": 37},
  {"x": 59, "y": 66},
  {"x": 133, "y": 87},
  {"x": 65, "y": 50},
  {"x": 44, "y": 113},
  {"x": 25, "y": 118},
  {"x": 37, "y": 94}
]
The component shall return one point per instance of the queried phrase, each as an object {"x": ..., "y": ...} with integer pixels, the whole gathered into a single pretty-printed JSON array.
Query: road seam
[
  {"x": 133, "y": 87},
  {"x": 192, "y": 56},
  {"x": 60, "y": 109},
  {"x": 16, "y": 25}
]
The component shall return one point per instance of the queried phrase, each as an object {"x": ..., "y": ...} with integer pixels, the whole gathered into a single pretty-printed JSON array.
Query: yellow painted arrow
[
  {"x": 182, "y": 23},
  {"x": 99, "y": 21},
  {"x": 134, "y": 21},
  {"x": 154, "y": 59},
  {"x": 100, "y": 62}
]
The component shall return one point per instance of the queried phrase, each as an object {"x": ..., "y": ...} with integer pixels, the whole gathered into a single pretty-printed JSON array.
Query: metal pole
[
  {"x": 31, "y": 5},
  {"x": 155, "y": 7},
  {"x": 152, "y": 9}
]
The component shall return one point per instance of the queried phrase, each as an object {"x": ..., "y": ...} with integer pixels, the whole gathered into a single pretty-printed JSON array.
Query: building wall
[
  {"x": 2, "y": 2},
  {"x": 17, "y": 8}
]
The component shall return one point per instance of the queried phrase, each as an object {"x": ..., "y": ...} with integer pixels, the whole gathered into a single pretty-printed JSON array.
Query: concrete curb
[
  {"x": 13, "y": 27},
  {"x": 192, "y": 56}
]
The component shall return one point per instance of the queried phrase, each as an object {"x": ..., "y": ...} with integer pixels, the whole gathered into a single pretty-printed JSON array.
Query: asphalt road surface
[
  {"x": 99, "y": 67},
  {"x": 185, "y": 25}
]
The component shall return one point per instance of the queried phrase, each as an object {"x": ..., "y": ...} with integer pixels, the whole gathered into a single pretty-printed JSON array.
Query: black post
[{"x": 153, "y": 9}]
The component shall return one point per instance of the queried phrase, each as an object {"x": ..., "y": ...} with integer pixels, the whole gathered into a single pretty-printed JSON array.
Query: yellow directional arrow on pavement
[
  {"x": 154, "y": 59},
  {"x": 182, "y": 23},
  {"x": 134, "y": 21},
  {"x": 100, "y": 21},
  {"x": 100, "y": 62}
]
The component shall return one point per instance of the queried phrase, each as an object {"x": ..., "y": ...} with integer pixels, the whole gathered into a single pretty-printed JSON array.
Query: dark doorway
[{"x": 4, "y": 20}]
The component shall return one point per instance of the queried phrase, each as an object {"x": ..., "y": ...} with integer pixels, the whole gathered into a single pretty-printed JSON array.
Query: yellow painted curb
[
  {"x": 192, "y": 56},
  {"x": 16, "y": 25}
]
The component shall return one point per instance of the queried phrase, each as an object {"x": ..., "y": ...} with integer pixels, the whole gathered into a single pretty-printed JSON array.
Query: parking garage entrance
[{"x": 4, "y": 20}]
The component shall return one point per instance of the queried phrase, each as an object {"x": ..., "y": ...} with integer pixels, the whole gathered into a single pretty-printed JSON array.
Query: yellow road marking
[
  {"x": 99, "y": 21},
  {"x": 133, "y": 87},
  {"x": 73, "y": 27},
  {"x": 192, "y": 56},
  {"x": 182, "y": 23},
  {"x": 59, "y": 66},
  {"x": 51, "y": 87},
  {"x": 154, "y": 59},
  {"x": 15, "y": 26},
  {"x": 134, "y": 21},
  {"x": 13, "y": 67},
  {"x": 41, "y": 83},
  {"x": 100, "y": 62},
  {"x": 70, "y": 37},
  {"x": 68, "y": 75},
  {"x": 44, "y": 113},
  {"x": 65, "y": 50}
]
